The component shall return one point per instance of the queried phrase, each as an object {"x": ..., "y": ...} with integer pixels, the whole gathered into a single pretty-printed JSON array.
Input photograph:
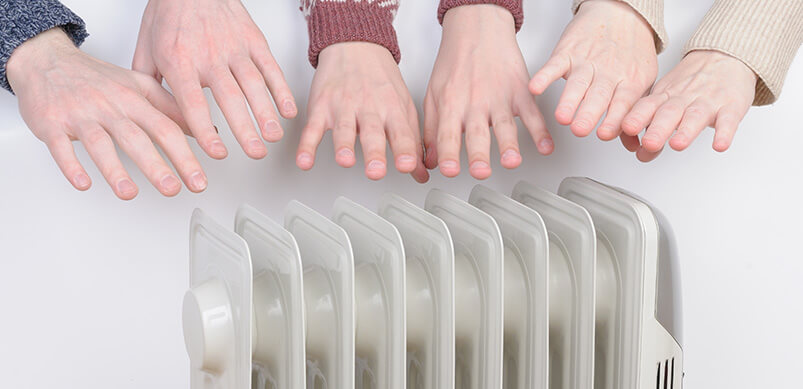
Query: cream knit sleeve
[
  {"x": 764, "y": 34},
  {"x": 652, "y": 11}
]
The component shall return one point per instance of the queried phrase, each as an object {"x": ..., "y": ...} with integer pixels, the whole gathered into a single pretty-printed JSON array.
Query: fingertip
[
  {"x": 81, "y": 181},
  {"x": 546, "y": 146},
  {"x": 169, "y": 185},
  {"x": 721, "y": 145},
  {"x": 449, "y": 168},
  {"x": 537, "y": 84},
  {"x": 305, "y": 161},
  {"x": 480, "y": 170},
  {"x": 606, "y": 132},
  {"x": 345, "y": 157},
  {"x": 125, "y": 189},
  {"x": 678, "y": 142},
  {"x": 406, "y": 163},
  {"x": 431, "y": 158},
  {"x": 288, "y": 109},
  {"x": 510, "y": 159},
  {"x": 581, "y": 128},
  {"x": 272, "y": 131},
  {"x": 564, "y": 115},
  {"x": 375, "y": 170},
  {"x": 216, "y": 149}
]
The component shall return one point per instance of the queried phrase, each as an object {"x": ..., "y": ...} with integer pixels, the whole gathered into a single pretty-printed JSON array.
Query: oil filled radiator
[{"x": 535, "y": 290}]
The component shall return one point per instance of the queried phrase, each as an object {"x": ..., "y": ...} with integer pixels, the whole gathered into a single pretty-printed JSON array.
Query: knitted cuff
[
  {"x": 514, "y": 6},
  {"x": 331, "y": 22},
  {"x": 652, "y": 11},
  {"x": 21, "y": 20},
  {"x": 765, "y": 35}
]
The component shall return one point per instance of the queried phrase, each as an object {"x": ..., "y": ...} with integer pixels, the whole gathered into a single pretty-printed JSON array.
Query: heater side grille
[{"x": 665, "y": 374}]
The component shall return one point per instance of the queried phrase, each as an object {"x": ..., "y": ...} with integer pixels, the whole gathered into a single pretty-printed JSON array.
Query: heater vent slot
[{"x": 665, "y": 374}]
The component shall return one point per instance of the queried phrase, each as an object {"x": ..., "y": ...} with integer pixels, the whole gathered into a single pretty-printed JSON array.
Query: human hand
[
  {"x": 214, "y": 43},
  {"x": 358, "y": 88},
  {"x": 707, "y": 88},
  {"x": 607, "y": 55},
  {"x": 479, "y": 81},
  {"x": 65, "y": 95}
]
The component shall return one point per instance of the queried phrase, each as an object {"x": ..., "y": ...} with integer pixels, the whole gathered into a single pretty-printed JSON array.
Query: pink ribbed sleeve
[
  {"x": 334, "y": 21},
  {"x": 514, "y": 6}
]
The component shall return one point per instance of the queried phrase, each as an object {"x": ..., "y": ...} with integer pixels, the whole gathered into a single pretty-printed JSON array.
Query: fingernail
[
  {"x": 81, "y": 180},
  {"x": 273, "y": 129},
  {"x": 480, "y": 165},
  {"x": 546, "y": 143},
  {"x": 345, "y": 153},
  {"x": 376, "y": 165},
  {"x": 126, "y": 187},
  {"x": 448, "y": 165},
  {"x": 255, "y": 145},
  {"x": 406, "y": 160},
  {"x": 510, "y": 154},
  {"x": 289, "y": 106},
  {"x": 169, "y": 182},
  {"x": 304, "y": 159},
  {"x": 198, "y": 181},
  {"x": 217, "y": 147}
]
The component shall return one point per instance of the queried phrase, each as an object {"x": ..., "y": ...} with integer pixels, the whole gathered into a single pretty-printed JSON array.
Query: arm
[
  {"x": 358, "y": 85},
  {"x": 23, "y": 20},
  {"x": 479, "y": 83},
  {"x": 738, "y": 57}
]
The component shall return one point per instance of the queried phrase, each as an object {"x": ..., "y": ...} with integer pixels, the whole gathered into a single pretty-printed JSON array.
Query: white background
[{"x": 91, "y": 286}]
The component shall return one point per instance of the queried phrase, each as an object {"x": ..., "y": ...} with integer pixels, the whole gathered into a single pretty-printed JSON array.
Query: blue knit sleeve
[{"x": 21, "y": 20}]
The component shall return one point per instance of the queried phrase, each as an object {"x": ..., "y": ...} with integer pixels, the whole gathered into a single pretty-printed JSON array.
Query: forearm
[
  {"x": 652, "y": 11},
  {"x": 514, "y": 6},
  {"x": 335, "y": 21},
  {"x": 23, "y": 19},
  {"x": 765, "y": 35}
]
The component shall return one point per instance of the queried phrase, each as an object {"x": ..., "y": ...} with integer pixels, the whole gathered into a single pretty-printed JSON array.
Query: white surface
[{"x": 91, "y": 287}]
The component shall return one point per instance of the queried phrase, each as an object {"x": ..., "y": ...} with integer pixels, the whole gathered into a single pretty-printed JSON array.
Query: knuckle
[{"x": 94, "y": 138}]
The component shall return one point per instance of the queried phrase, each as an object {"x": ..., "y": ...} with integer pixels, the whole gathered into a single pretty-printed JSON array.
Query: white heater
[{"x": 573, "y": 290}]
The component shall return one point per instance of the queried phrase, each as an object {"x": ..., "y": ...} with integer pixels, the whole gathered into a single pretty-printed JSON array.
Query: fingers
[
  {"x": 597, "y": 99},
  {"x": 645, "y": 155},
  {"x": 478, "y": 146},
  {"x": 532, "y": 119},
  {"x": 100, "y": 148},
  {"x": 449, "y": 132},
  {"x": 343, "y": 137},
  {"x": 276, "y": 82},
  {"x": 373, "y": 142},
  {"x": 576, "y": 86},
  {"x": 556, "y": 67},
  {"x": 163, "y": 101},
  {"x": 134, "y": 142},
  {"x": 727, "y": 122},
  {"x": 311, "y": 137},
  {"x": 630, "y": 142},
  {"x": 663, "y": 125},
  {"x": 253, "y": 86},
  {"x": 402, "y": 142},
  {"x": 63, "y": 153},
  {"x": 232, "y": 102},
  {"x": 506, "y": 132},
  {"x": 642, "y": 113},
  {"x": 143, "y": 63},
  {"x": 696, "y": 118},
  {"x": 623, "y": 100},
  {"x": 430, "y": 132},
  {"x": 169, "y": 137},
  {"x": 420, "y": 173},
  {"x": 192, "y": 102}
]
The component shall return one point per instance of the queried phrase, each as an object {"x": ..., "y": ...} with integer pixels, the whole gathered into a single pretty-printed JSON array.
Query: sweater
[
  {"x": 333, "y": 21},
  {"x": 21, "y": 20}
]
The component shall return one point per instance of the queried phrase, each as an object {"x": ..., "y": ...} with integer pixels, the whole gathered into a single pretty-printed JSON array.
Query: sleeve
[
  {"x": 514, "y": 6},
  {"x": 334, "y": 21},
  {"x": 21, "y": 20},
  {"x": 652, "y": 11},
  {"x": 764, "y": 34}
]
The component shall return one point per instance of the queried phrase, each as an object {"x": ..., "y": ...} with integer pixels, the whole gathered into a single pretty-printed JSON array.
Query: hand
[
  {"x": 358, "y": 88},
  {"x": 707, "y": 88},
  {"x": 66, "y": 95},
  {"x": 214, "y": 43},
  {"x": 479, "y": 81},
  {"x": 607, "y": 54}
]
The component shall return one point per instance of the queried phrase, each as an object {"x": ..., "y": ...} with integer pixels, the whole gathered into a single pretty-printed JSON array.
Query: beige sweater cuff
[
  {"x": 652, "y": 11},
  {"x": 764, "y": 34}
]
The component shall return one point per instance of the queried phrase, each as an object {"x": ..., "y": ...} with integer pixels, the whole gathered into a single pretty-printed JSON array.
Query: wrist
[
  {"x": 37, "y": 53},
  {"x": 509, "y": 10},
  {"x": 478, "y": 20},
  {"x": 723, "y": 61},
  {"x": 626, "y": 13}
]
